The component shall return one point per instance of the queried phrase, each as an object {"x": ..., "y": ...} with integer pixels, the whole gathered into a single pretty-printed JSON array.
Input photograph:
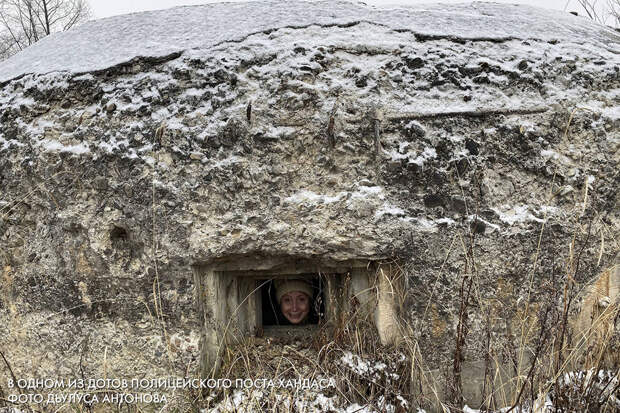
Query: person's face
[{"x": 295, "y": 306}]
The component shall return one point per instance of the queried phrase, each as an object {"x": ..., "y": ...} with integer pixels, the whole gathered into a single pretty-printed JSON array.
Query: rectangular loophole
[{"x": 232, "y": 300}]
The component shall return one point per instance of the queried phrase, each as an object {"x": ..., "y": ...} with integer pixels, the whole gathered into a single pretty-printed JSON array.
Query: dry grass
[{"x": 316, "y": 357}]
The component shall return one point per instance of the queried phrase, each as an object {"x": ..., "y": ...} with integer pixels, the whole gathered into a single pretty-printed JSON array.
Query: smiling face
[{"x": 295, "y": 306}]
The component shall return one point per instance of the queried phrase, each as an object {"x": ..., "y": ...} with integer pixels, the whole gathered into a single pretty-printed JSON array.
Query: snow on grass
[
  {"x": 234, "y": 402},
  {"x": 366, "y": 368},
  {"x": 607, "y": 378},
  {"x": 575, "y": 382},
  {"x": 310, "y": 401}
]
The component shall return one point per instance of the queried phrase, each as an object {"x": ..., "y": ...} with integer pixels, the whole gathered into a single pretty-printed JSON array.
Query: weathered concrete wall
[{"x": 270, "y": 147}]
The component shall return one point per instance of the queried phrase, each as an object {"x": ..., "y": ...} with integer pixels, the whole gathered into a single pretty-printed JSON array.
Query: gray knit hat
[{"x": 288, "y": 286}]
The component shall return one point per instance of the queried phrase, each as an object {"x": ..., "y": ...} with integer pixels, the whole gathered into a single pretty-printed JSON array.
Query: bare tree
[
  {"x": 590, "y": 7},
  {"x": 24, "y": 22},
  {"x": 614, "y": 11},
  {"x": 607, "y": 13}
]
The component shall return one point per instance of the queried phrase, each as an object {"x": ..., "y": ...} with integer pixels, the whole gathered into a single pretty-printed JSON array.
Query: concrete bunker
[{"x": 230, "y": 294}]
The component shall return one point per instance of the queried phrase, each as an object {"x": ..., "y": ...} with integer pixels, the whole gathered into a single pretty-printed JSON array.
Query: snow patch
[
  {"x": 55, "y": 146},
  {"x": 388, "y": 209},
  {"x": 428, "y": 153},
  {"x": 113, "y": 144},
  {"x": 4, "y": 144},
  {"x": 362, "y": 192},
  {"x": 548, "y": 153},
  {"x": 365, "y": 367},
  {"x": 312, "y": 197},
  {"x": 520, "y": 214},
  {"x": 222, "y": 163}
]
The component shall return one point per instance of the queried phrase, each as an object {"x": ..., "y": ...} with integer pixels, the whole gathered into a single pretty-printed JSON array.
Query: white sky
[{"x": 105, "y": 8}]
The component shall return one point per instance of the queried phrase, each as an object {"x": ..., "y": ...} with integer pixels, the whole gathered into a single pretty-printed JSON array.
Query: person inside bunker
[{"x": 294, "y": 298}]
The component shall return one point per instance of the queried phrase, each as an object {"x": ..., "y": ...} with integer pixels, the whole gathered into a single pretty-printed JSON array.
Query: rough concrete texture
[{"x": 335, "y": 141}]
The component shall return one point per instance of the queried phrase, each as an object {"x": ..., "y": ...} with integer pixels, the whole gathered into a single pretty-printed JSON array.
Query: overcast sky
[{"x": 105, "y": 8}]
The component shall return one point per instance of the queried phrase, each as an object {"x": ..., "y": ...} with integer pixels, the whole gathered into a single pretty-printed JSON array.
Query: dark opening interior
[{"x": 272, "y": 316}]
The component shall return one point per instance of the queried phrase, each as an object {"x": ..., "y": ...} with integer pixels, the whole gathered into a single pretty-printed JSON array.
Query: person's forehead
[{"x": 295, "y": 294}]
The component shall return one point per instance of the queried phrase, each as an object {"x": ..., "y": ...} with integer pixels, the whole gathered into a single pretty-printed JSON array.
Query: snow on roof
[{"x": 105, "y": 43}]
